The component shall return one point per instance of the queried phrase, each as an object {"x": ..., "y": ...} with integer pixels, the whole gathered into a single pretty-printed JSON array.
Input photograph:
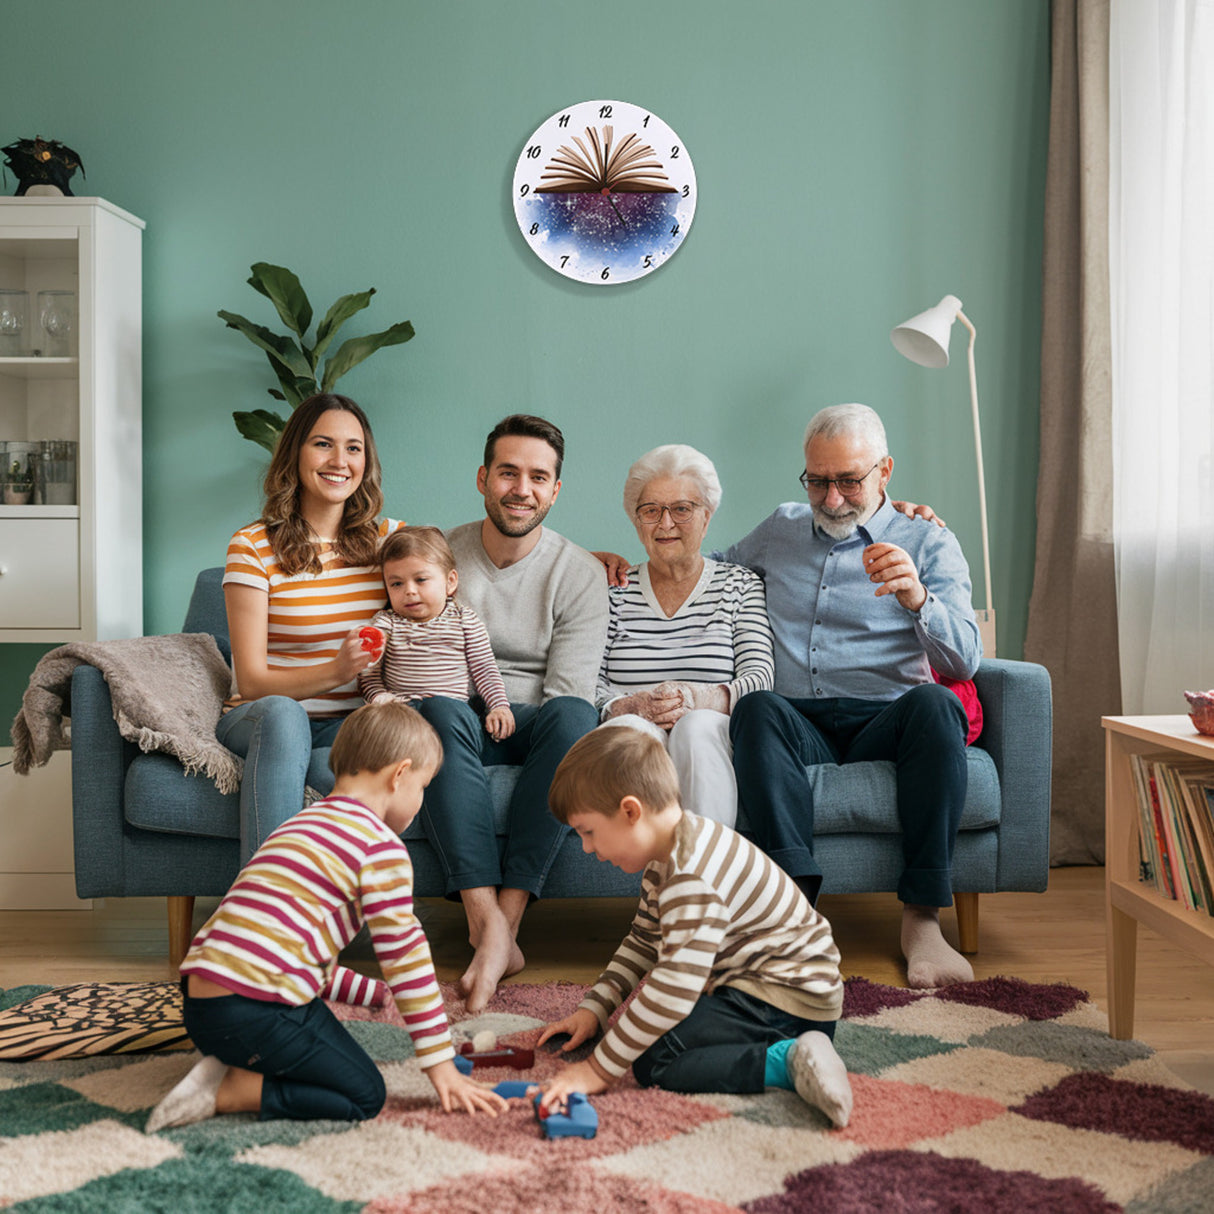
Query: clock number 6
[{"x": 606, "y": 274}]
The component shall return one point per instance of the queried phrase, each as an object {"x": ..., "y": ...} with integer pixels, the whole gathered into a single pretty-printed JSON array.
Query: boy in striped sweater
[
  {"x": 257, "y": 973},
  {"x": 743, "y": 987}
]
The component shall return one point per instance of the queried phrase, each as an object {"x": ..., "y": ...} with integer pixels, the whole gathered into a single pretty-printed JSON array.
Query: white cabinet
[{"x": 71, "y": 559}]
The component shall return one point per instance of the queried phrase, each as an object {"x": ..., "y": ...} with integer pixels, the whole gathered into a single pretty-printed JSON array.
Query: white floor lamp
[{"x": 924, "y": 340}]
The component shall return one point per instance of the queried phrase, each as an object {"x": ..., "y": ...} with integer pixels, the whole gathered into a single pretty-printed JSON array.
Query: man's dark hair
[{"x": 524, "y": 425}]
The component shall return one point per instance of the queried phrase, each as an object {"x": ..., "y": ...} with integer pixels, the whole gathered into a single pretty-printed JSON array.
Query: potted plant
[
  {"x": 294, "y": 361},
  {"x": 18, "y": 484}
]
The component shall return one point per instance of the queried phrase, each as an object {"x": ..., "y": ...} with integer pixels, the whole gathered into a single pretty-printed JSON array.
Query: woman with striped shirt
[
  {"x": 298, "y": 585},
  {"x": 687, "y": 636}
]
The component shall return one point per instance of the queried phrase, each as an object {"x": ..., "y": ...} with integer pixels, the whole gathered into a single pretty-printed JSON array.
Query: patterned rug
[{"x": 992, "y": 1096}]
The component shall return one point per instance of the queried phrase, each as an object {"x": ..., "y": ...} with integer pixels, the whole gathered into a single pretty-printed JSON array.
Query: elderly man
[{"x": 864, "y": 603}]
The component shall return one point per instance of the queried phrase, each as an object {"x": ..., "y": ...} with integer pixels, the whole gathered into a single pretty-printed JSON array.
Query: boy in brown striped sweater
[{"x": 743, "y": 988}]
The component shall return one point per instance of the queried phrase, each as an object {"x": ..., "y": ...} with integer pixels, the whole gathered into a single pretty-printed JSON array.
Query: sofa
[{"x": 143, "y": 827}]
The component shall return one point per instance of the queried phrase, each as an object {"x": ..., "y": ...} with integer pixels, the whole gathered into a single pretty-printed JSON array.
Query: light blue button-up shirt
[{"x": 833, "y": 635}]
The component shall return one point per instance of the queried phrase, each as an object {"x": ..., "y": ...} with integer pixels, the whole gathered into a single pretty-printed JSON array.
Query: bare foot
[
  {"x": 497, "y": 956},
  {"x": 930, "y": 960}
]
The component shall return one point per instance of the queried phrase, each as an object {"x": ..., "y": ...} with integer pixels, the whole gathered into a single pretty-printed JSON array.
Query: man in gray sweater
[{"x": 544, "y": 602}]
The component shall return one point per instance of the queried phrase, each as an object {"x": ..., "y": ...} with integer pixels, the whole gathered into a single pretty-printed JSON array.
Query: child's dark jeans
[
  {"x": 313, "y": 1068},
  {"x": 721, "y": 1045}
]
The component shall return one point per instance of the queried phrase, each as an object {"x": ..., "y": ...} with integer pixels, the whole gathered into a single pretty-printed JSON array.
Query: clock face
[{"x": 604, "y": 192}]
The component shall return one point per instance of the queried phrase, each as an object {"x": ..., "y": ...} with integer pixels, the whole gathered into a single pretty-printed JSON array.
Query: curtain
[
  {"x": 1161, "y": 250},
  {"x": 1072, "y": 625}
]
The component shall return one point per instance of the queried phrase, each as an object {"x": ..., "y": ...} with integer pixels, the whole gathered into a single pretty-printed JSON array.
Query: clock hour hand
[{"x": 607, "y": 194}]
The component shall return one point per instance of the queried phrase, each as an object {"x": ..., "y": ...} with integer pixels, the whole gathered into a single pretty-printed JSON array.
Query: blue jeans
[
  {"x": 283, "y": 749},
  {"x": 721, "y": 1045},
  {"x": 923, "y": 731},
  {"x": 457, "y": 812},
  {"x": 312, "y": 1067}
]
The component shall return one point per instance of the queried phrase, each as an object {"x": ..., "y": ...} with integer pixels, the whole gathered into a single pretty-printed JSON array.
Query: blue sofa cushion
[{"x": 858, "y": 798}]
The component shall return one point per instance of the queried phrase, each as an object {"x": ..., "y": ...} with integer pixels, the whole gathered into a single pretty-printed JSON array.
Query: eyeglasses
[
  {"x": 681, "y": 513},
  {"x": 847, "y": 485}
]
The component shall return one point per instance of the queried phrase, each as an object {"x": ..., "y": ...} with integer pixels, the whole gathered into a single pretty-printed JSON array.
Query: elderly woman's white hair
[
  {"x": 672, "y": 459},
  {"x": 857, "y": 421}
]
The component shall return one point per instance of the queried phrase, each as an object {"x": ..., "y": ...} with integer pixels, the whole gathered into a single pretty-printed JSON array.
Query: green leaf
[
  {"x": 351, "y": 353},
  {"x": 337, "y": 316},
  {"x": 261, "y": 427},
  {"x": 284, "y": 291},
  {"x": 279, "y": 347}
]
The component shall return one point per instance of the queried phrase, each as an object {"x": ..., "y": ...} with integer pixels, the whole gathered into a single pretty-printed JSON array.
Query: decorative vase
[
  {"x": 1201, "y": 710},
  {"x": 17, "y": 497}
]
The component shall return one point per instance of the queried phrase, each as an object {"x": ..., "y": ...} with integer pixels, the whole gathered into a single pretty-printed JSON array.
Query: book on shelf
[{"x": 1175, "y": 797}]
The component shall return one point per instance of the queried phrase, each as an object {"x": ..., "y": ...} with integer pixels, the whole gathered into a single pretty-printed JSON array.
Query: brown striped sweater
[{"x": 716, "y": 912}]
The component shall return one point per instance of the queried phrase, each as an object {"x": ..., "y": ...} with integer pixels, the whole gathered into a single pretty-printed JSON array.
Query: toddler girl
[{"x": 432, "y": 644}]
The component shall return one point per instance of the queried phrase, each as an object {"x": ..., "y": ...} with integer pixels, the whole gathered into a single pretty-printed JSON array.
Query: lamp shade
[{"x": 924, "y": 338}]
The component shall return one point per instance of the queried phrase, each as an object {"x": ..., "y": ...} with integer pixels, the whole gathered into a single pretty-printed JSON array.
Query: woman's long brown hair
[{"x": 291, "y": 538}]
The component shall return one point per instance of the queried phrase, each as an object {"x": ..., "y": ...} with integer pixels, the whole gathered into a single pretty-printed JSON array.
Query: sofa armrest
[
  {"x": 1017, "y": 732},
  {"x": 100, "y": 757}
]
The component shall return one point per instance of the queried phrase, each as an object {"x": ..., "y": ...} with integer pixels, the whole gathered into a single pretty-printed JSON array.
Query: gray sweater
[{"x": 546, "y": 614}]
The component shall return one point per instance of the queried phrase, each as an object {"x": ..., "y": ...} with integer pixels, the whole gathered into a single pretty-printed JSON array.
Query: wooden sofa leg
[
  {"x": 967, "y": 921},
  {"x": 181, "y": 919}
]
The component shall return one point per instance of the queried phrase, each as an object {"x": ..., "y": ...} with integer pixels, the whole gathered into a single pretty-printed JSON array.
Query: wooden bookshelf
[{"x": 1128, "y": 900}]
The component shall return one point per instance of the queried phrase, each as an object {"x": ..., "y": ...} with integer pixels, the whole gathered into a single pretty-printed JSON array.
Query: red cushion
[{"x": 968, "y": 694}]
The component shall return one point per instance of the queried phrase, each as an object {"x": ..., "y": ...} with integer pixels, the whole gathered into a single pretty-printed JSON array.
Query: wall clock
[{"x": 604, "y": 192}]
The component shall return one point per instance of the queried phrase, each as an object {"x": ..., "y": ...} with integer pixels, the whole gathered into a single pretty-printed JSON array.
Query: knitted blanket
[{"x": 167, "y": 691}]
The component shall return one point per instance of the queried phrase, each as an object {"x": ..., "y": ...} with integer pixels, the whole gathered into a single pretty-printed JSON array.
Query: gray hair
[
  {"x": 673, "y": 459},
  {"x": 853, "y": 421}
]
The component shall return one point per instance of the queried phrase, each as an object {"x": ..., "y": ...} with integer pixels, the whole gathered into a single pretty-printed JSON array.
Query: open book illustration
[{"x": 631, "y": 167}]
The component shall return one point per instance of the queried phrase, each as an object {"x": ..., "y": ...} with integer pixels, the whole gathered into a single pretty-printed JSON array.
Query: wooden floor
[{"x": 1057, "y": 936}]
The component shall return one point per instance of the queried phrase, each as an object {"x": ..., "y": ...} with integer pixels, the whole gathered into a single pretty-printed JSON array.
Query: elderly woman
[{"x": 687, "y": 636}]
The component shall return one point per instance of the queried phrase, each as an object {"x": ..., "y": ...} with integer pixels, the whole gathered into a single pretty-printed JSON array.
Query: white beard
[{"x": 837, "y": 528}]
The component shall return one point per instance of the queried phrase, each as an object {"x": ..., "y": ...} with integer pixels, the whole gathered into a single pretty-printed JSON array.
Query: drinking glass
[
  {"x": 57, "y": 317},
  {"x": 14, "y": 314}
]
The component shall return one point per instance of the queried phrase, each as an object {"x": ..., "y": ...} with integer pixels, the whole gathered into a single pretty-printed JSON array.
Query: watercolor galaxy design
[{"x": 616, "y": 231}]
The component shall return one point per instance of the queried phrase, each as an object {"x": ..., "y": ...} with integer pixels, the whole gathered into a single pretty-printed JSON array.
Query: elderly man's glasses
[
  {"x": 681, "y": 513},
  {"x": 847, "y": 485}
]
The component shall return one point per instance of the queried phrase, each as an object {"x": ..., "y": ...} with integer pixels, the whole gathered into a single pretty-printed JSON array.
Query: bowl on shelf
[{"x": 1201, "y": 710}]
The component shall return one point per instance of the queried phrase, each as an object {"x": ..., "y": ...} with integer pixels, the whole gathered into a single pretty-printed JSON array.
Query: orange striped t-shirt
[{"x": 310, "y": 613}]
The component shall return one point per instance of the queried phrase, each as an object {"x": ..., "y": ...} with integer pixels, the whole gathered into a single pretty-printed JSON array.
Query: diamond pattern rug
[{"x": 987, "y": 1097}]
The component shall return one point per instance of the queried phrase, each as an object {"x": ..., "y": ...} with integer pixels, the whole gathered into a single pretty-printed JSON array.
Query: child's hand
[
  {"x": 581, "y": 1025},
  {"x": 576, "y": 1077},
  {"x": 456, "y": 1091},
  {"x": 499, "y": 723}
]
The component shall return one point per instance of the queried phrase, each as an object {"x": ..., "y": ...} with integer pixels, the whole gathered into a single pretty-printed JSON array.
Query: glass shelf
[{"x": 40, "y": 368}]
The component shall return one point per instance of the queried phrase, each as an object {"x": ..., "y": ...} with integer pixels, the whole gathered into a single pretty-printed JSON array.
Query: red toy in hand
[{"x": 372, "y": 639}]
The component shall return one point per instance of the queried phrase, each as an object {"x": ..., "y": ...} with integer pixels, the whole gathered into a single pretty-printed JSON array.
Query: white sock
[
  {"x": 930, "y": 960},
  {"x": 193, "y": 1099},
  {"x": 819, "y": 1076}
]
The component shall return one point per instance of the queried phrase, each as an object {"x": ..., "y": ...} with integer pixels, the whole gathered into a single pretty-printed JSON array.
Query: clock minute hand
[{"x": 607, "y": 194}]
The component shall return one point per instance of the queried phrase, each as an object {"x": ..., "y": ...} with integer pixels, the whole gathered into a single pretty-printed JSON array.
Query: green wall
[{"x": 855, "y": 162}]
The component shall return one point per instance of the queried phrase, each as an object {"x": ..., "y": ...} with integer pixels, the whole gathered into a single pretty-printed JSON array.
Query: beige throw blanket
[{"x": 168, "y": 692}]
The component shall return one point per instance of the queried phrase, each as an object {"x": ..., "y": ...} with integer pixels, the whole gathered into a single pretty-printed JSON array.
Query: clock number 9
[{"x": 526, "y": 189}]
